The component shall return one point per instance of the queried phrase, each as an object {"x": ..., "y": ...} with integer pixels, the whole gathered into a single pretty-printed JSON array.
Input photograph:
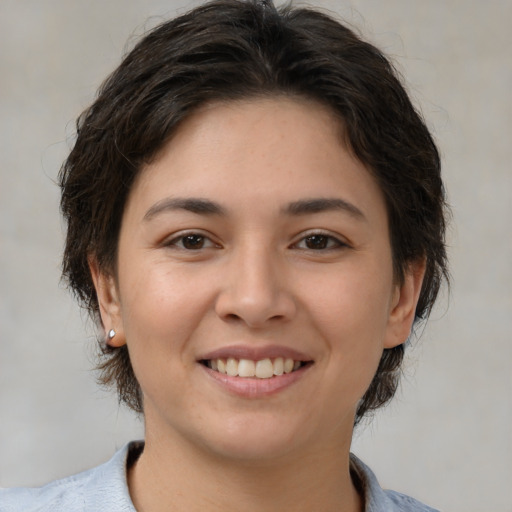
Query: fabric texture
[{"x": 105, "y": 489}]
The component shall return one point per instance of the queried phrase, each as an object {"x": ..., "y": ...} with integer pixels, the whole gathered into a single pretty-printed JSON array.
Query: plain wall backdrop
[{"x": 446, "y": 439}]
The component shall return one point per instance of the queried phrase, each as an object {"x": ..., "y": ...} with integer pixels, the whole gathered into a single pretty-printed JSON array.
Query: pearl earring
[{"x": 111, "y": 334}]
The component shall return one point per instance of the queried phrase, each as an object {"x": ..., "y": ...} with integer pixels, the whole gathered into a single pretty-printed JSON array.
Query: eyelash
[
  {"x": 179, "y": 241},
  {"x": 324, "y": 241},
  {"x": 332, "y": 242}
]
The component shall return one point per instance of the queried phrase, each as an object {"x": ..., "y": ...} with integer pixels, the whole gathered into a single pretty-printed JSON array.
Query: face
[{"x": 255, "y": 284}]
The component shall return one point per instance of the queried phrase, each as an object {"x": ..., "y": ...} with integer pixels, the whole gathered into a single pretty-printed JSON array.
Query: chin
[{"x": 255, "y": 439}]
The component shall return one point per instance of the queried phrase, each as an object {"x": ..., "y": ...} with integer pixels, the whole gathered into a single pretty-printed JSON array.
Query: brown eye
[
  {"x": 190, "y": 242},
  {"x": 320, "y": 242},
  {"x": 316, "y": 242},
  {"x": 193, "y": 242}
]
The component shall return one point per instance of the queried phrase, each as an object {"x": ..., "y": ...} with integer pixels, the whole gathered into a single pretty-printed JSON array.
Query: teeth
[
  {"x": 263, "y": 369},
  {"x": 232, "y": 367},
  {"x": 221, "y": 365},
  {"x": 288, "y": 365},
  {"x": 246, "y": 368},
  {"x": 279, "y": 366}
]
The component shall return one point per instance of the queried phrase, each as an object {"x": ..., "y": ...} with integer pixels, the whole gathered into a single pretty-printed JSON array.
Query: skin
[{"x": 250, "y": 275}]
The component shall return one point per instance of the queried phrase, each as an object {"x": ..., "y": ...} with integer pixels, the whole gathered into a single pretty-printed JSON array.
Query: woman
[{"x": 256, "y": 220}]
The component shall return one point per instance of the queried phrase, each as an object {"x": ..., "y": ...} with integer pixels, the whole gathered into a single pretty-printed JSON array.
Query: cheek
[
  {"x": 161, "y": 307},
  {"x": 352, "y": 305},
  {"x": 351, "y": 314},
  {"x": 160, "y": 313}
]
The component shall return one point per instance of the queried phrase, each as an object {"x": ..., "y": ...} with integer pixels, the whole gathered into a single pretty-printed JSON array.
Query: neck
[{"x": 177, "y": 476}]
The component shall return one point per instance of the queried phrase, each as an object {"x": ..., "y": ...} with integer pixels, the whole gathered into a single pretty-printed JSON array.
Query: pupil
[
  {"x": 316, "y": 242},
  {"x": 193, "y": 241}
]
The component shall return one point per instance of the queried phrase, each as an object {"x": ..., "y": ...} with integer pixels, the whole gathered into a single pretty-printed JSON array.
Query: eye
[
  {"x": 191, "y": 242},
  {"x": 319, "y": 242}
]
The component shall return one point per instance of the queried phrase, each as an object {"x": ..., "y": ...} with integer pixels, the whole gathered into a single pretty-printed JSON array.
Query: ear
[
  {"x": 108, "y": 300},
  {"x": 403, "y": 307}
]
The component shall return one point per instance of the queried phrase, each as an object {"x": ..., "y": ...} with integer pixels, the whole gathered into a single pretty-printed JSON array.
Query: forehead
[
  {"x": 272, "y": 150},
  {"x": 276, "y": 123}
]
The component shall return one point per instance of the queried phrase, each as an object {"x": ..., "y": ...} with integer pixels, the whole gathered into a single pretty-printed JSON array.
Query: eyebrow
[
  {"x": 191, "y": 204},
  {"x": 319, "y": 205},
  {"x": 202, "y": 206}
]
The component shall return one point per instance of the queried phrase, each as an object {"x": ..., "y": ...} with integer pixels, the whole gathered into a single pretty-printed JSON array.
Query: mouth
[{"x": 260, "y": 369}]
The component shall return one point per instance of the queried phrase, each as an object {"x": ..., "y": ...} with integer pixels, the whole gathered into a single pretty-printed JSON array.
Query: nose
[{"x": 255, "y": 290}]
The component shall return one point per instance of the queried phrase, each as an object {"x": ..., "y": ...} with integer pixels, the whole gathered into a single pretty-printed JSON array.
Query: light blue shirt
[{"x": 105, "y": 489}]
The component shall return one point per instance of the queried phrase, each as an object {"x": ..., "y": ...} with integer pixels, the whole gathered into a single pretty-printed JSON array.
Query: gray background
[{"x": 446, "y": 439}]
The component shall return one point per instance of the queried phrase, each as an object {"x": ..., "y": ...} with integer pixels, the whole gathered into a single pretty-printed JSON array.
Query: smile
[{"x": 261, "y": 369}]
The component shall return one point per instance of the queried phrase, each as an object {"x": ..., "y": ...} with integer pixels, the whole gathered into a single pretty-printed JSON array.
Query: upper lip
[{"x": 255, "y": 353}]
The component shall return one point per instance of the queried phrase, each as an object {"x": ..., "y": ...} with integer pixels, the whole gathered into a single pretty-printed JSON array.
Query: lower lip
[{"x": 252, "y": 387}]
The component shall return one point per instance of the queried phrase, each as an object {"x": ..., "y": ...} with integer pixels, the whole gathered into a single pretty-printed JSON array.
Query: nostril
[
  {"x": 247, "y": 301},
  {"x": 232, "y": 316}
]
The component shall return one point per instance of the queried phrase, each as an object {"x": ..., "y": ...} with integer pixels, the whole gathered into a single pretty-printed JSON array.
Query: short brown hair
[{"x": 234, "y": 49}]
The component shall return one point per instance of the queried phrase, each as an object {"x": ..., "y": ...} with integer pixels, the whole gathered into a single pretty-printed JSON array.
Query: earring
[{"x": 111, "y": 334}]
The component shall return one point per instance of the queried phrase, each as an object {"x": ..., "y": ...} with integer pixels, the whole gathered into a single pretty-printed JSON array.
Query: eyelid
[
  {"x": 174, "y": 239},
  {"x": 340, "y": 241}
]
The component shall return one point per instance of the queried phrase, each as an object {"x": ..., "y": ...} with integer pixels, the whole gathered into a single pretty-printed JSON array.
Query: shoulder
[
  {"x": 378, "y": 499},
  {"x": 406, "y": 503},
  {"x": 65, "y": 494},
  {"x": 103, "y": 488}
]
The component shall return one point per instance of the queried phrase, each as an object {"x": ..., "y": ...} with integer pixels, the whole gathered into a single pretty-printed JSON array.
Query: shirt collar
[{"x": 107, "y": 488}]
